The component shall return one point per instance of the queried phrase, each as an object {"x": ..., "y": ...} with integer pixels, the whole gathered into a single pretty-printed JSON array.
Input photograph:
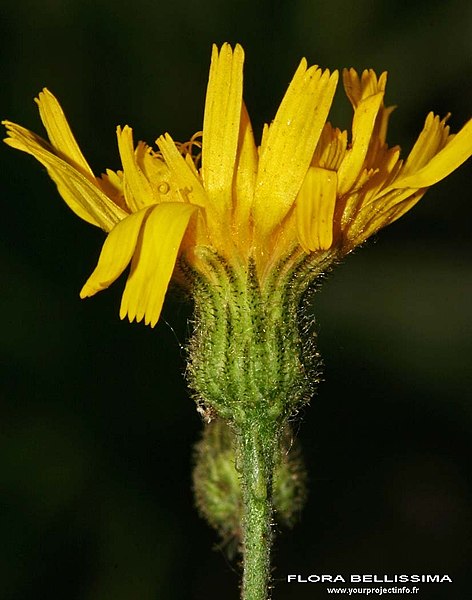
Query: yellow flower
[{"x": 306, "y": 191}]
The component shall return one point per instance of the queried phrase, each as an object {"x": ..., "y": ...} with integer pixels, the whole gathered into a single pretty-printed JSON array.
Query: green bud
[{"x": 217, "y": 485}]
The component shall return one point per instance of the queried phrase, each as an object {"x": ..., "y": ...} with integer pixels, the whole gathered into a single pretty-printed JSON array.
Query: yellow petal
[
  {"x": 82, "y": 196},
  {"x": 246, "y": 170},
  {"x": 362, "y": 128},
  {"x": 111, "y": 183},
  {"x": 358, "y": 88},
  {"x": 456, "y": 152},
  {"x": 382, "y": 122},
  {"x": 138, "y": 192},
  {"x": 315, "y": 209},
  {"x": 116, "y": 253},
  {"x": 154, "y": 261},
  {"x": 158, "y": 174},
  {"x": 432, "y": 138},
  {"x": 60, "y": 134},
  {"x": 352, "y": 86},
  {"x": 189, "y": 185},
  {"x": 373, "y": 220},
  {"x": 370, "y": 194},
  {"x": 289, "y": 144},
  {"x": 221, "y": 124},
  {"x": 331, "y": 148}
]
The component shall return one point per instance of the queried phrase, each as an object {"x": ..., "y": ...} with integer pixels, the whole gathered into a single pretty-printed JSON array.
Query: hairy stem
[{"x": 256, "y": 454}]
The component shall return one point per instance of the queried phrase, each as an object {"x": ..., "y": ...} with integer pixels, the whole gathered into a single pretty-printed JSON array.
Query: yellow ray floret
[
  {"x": 221, "y": 124},
  {"x": 82, "y": 195},
  {"x": 244, "y": 181},
  {"x": 453, "y": 151},
  {"x": 116, "y": 253},
  {"x": 137, "y": 189},
  {"x": 362, "y": 128},
  {"x": 288, "y": 147},
  {"x": 154, "y": 261},
  {"x": 59, "y": 132},
  {"x": 315, "y": 209}
]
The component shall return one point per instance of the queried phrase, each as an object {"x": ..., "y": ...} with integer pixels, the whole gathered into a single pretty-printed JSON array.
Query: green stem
[{"x": 256, "y": 457}]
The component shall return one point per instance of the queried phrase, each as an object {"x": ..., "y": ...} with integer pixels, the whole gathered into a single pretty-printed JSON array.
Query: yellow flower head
[{"x": 307, "y": 191}]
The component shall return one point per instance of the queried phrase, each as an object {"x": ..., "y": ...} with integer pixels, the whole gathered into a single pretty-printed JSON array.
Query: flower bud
[{"x": 217, "y": 486}]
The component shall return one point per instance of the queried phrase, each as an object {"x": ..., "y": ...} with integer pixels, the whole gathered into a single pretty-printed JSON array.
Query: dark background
[{"x": 96, "y": 429}]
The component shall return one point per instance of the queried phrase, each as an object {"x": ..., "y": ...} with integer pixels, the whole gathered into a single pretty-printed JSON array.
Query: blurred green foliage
[{"x": 96, "y": 426}]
